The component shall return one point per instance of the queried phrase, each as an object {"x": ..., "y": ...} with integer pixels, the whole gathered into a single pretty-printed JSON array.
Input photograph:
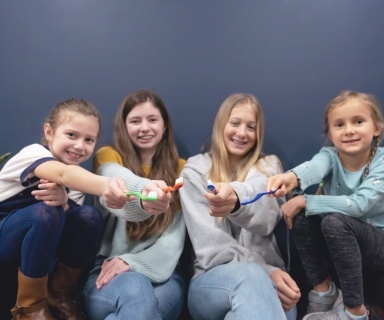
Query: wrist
[{"x": 295, "y": 179}]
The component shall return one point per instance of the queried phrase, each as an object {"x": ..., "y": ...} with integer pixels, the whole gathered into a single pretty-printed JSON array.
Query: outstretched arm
[
  {"x": 77, "y": 178},
  {"x": 283, "y": 183},
  {"x": 136, "y": 210}
]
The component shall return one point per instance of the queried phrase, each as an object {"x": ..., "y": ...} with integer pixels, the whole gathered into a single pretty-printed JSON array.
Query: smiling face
[
  {"x": 74, "y": 138},
  {"x": 352, "y": 129},
  {"x": 240, "y": 132},
  {"x": 145, "y": 127}
]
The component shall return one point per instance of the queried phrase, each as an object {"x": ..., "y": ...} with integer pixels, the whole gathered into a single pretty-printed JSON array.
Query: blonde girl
[
  {"x": 346, "y": 223},
  {"x": 238, "y": 270}
]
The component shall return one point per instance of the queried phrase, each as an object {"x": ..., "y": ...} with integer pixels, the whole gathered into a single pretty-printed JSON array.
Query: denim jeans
[
  {"x": 131, "y": 295},
  {"x": 237, "y": 290},
  {"x": 31, "y": 238}
]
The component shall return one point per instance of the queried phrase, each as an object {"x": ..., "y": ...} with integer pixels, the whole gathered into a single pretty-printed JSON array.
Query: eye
[
  {"x": 153, "y": 120},
  {"x": 134, "y": 121},
  {"x": 338, "y": 124},
  {"x": 71, "y": 135},
  {"x": 234, "y": 123},
  {"x": 359, "y": 121},
  {"x": 90, "y": 140},
  {"x": 252, "y": 127}
]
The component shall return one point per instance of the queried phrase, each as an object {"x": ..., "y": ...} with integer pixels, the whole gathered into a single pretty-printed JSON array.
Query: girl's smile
[{"x": 240, "y": 132}]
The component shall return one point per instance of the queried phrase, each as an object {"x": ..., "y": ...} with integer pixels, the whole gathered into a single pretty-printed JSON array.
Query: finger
[
  {"x": 121, "y": 184},
  {"x": 272, "y": 183},
  {"x": 292, "y": 285}
]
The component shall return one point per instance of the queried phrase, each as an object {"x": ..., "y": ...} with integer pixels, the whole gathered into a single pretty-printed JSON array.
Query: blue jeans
[
  {"x": 131, "y": 295},
  {"x": 31, "y": 238},
  {"x": 238, "y": 290}
]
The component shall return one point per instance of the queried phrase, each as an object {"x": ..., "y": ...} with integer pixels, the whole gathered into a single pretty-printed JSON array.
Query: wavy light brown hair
[
  {"x": 365, "y": 99},
  {"x": 164, "y": 162},
  {"x": 75, "y": 105},
  {"x": 221, "y": 170}
]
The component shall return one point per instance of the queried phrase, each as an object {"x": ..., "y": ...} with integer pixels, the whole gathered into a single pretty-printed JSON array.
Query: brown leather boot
[
  {"x": 61, "y": 291},
  {"x": 31, "y": 303}
]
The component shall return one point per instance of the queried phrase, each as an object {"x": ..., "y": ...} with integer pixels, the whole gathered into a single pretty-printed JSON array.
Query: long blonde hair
[
  {"x": 221, "y": 170},
  {"x": 164, "y": 162}
]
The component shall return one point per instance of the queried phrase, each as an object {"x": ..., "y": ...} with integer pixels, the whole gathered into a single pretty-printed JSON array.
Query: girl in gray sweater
[{"x": 238, "y": 270}]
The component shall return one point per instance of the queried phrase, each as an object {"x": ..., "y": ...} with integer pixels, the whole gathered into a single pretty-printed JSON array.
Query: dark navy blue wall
[{"x": 294, "y": 55}]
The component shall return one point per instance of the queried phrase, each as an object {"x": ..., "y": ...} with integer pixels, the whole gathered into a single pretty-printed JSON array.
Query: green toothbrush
[{"x": 152, "y": 195}]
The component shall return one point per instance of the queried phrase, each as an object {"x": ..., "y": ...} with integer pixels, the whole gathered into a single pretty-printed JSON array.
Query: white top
[{"x": 18, "y": 175}]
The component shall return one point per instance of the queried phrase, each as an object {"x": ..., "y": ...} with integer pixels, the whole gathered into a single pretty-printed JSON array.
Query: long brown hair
[{"x": 164, "y": 162}]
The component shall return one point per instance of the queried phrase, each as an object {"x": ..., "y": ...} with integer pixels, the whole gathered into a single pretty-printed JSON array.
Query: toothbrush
[
  {"x": 211, "y": 188},
  {"x": 152, "y": 195},
  {"x": 178, "y": 184},
  {"x": 246, "y": 200}
]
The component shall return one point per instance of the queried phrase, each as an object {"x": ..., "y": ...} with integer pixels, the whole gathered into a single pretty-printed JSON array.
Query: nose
[
  {"x": 241, "y": 130},
  {"x": 79, "y": 145},
  {"x": 144, "y": 126},
  {"x": 349, "y": 129}
]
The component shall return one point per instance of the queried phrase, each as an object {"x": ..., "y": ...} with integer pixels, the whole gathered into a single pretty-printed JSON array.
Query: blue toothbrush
[
  {"x": 211, "y": 188},
  {"x": 257, "y": 197}
]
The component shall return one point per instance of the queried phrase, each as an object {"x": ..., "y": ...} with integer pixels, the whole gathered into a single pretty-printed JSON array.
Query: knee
[
  {"x": 137, "y": 282},
  {"x": 89, "y": 217},
  {"x": 333, "y": 223},
  {"x": 250, "y": 273},
  {"x": 44, "y": 217}
]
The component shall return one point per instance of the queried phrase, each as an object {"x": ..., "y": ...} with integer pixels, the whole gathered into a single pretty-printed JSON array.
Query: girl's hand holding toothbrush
[
  {"x": 163, "y": 199},
  {"x": 283, "y": 183},
  {"x": 223, "y": 202}
]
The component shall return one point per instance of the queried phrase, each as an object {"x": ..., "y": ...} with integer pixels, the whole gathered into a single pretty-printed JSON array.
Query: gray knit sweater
[
  {"x": 156, "y": 257},
  {"x": 245, "y": 235}
]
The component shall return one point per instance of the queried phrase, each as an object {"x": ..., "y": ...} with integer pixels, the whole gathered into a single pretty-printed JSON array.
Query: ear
[
  {"x": 48, "y": 132},
  {"x": 377, "y": 132}
]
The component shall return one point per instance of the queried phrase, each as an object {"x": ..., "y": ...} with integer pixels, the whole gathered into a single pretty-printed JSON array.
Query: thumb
[{"x": 122, "y": 185}]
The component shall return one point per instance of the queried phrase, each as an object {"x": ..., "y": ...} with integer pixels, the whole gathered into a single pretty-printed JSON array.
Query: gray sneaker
[
  {"x": 335, "y": 314},
  {"x": 324, "y": 303}
]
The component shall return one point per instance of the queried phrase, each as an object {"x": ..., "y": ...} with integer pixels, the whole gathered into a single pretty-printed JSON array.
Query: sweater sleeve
[
  {"x": 313, "y": 171},
  {"x": 132, "y": 210},
  {"x": 364, "y": 201},
  {"x": 159, "y": 260}
]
